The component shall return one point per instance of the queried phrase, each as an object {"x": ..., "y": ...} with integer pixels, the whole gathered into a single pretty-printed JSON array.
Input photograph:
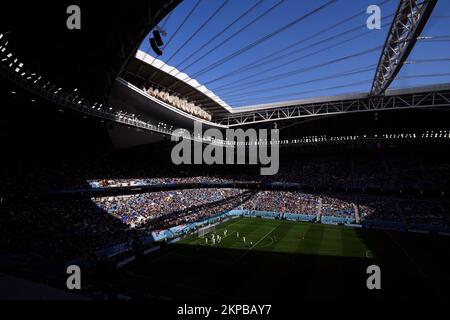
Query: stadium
[{"x": 110, "y": 191}]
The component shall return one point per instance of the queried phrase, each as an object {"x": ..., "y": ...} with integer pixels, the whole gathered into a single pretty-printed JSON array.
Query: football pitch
[{"x": 290, "y": 260}]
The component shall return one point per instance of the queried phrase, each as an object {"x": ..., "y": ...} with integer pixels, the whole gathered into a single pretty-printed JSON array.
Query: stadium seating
[{"x": 179, "y": 103}]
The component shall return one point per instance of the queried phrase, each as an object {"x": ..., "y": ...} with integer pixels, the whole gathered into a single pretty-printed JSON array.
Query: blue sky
[{"x": 264, "y": 72}]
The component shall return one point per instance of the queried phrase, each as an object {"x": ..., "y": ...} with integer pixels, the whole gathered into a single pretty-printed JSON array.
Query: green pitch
[
  {"x": 286, "y": 236},
  {"x": 286, "y": 260}
]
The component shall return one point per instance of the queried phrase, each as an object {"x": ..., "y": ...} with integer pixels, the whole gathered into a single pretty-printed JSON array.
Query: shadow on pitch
[{"x": 182, "y": 271}]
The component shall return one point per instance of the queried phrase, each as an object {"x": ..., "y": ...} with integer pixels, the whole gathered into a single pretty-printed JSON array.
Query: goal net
[{"x": 202, "y": 232}]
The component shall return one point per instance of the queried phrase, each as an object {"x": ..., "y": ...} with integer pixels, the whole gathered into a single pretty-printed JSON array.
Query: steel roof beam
[
  {"x": 414, "y": 100},
  {"x": 408, "y": 23}
]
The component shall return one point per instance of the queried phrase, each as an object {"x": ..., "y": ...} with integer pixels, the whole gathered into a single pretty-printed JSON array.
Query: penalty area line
[{"x": 256, "y": 243}]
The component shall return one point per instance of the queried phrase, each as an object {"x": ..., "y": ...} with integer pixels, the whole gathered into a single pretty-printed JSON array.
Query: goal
[{"x": 202, "y": 232}]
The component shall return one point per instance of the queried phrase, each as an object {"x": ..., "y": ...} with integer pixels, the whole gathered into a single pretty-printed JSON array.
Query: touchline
[{"x": 249, "y": 147}]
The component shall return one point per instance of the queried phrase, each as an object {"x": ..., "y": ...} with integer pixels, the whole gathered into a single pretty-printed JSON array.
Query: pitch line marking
[
  {"x": 248, "y": 250},
  {"x": 191, "y": 242},
  {"x": 269, "y": 244},
  {"x": 232, "y": 231},
  {"x": 411, "y": 259},
  {"x": 426, "y": 276}
]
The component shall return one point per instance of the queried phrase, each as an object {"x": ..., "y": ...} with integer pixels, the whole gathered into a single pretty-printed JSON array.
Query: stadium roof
[
  {"x": 236, "y": 57},
  {"x": 254, "y": 55},
  {"x": 88, "y": 59},
  {"x": 146, "y": 70}
]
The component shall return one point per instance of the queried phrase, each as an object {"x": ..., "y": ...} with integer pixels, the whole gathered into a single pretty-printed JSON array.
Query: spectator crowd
[
  {"x": 179, "y": 103},
  {"x": 386, "y": 172},
  {"x": 63, "y": 230}
]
